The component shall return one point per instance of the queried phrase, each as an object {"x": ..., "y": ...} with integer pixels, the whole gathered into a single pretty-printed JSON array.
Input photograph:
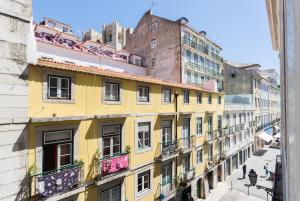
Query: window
[
  {"x": 143, "y": 135},
  {"x": 219, "y": 100},
  {"x": 199, "y": 156},
  {"x": 138, "y": 62},
  {"x": 209, "y": 98},
  {"x": 153, "y": 43},
  {"x": 112, "y": 91},
  {"x": 188, "y": 77},
  {"x": 166, "y": 132},
  {"x": 153, "y": 27},
  {"x": 186, "y": 163},
  {"x": 57, "y": 149},
  {"x": 152, "y": 62},
  {"x": 219, "y": 121},
  {"x": 59, "y": 87},
  {"x": 111, "y": 140},
  {"x": 210, "y": 123},
  {"x": 113, "y": 193},
  {"x": 143, "y": 94},
  {"x": 186, "y": 97},
  {"x": 143, "y": 182},
  {"x": 199, "y": 126},
  {"x": 166, "y": 95},
  {"x": 199, "y": 98}
]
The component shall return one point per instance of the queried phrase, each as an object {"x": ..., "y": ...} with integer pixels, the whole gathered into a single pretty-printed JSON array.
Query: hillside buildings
[
  {"x": 174, "y": 50},
  {"x": 114, "y": 35},
  {"x": 95, "y": 121}
]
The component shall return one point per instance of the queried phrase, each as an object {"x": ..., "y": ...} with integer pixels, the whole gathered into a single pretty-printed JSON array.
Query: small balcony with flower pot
[{"x": 112, "y": 167}]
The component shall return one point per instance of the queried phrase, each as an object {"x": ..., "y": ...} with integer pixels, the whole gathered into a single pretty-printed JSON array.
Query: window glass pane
[
  {"x": 64, "y": 83},
  {"x": 112, "y": 130},
  {"x": 53, "y": 92},
  {"x": 57, "y": 136},
  {"x": 53, "y": 82},
  {"x": 65, "y": 160},
  {"x": 65, "y": 149},
  {"x": 64, "y": 93}
]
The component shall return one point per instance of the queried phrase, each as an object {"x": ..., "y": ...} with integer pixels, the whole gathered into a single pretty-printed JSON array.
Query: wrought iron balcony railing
[
  {"x": 167, "y": 187},
  {"x": 201, "y": 48},
  {"x": 187, "y": 176},
  {"x": 168, "y": 149},
  {"x": 203, "y": 69},
  {"x": 187, "y": 143},
  {"x": 56, "y": 182}
]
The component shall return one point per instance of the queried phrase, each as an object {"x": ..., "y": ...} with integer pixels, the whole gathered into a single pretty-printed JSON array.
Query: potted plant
[{"x": 128, "y": 149}]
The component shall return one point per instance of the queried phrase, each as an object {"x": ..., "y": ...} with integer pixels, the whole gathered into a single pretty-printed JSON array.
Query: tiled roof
[{"x": 114, "y": 74}]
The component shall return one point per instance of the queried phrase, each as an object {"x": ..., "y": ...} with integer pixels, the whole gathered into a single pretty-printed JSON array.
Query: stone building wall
[
  {"x": 167, "y": 53},
  {"x": 15, "y": 18}
]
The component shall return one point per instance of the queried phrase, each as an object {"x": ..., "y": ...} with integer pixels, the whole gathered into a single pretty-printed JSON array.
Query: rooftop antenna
[{"x": 153, "y": 4}]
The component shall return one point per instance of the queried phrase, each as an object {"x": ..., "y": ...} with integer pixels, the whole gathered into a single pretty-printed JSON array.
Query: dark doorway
[
  {"x": 219, "y": 173},
  {"x": 186, "y": 192},
  {"x": 210, "y": 178}
]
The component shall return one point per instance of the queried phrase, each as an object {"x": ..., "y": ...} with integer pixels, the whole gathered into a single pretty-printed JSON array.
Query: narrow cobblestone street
[{"x": 235, "y": 188}]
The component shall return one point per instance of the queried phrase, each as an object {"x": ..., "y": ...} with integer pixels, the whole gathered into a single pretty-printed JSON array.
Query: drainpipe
[{"x": 176, "y": 126}]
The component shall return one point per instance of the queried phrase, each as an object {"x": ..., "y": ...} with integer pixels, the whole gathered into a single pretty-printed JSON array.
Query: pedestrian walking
[
  {"x": 266, "y": 166},
  {"x": 244, "y": 170}
]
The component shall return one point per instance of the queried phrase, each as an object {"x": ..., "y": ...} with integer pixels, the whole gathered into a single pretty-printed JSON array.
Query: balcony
[
  {"x": 187, "y": 144},
  {"x": 237, "y": 128},
  {"x": 212, "y": 161},
  {"x": 167, "y": 150},
  {"x": 242, "y": 126},
  {"x": 203, "y": 69},
  {"x": 210, "y": 136},
  {"x": 167, "y": 189},
  {"x": 201, "y": 48},
  {"x": 187, "y": 176},
  {"x": 110, "y": 168},
  {"x": 57, "y": 184},
  {"x": 219, "y": 134}
]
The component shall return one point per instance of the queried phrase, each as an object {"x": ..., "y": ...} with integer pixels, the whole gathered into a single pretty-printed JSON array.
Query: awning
[
  {"x": 277, "y": 135},
  {"x": 265, "y": 136},
  {"x": 277, "y": 127}
]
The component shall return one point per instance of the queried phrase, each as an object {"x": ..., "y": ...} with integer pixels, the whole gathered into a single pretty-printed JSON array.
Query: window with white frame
[
  {"x": 59, "y": 87},
  {"x": 111, "y": 140},
  {"x": 113, "y": 193},
  {"x": 143, "y": 182},
  {"x": 199, "y": 125},
  {"x": 219, "y": 100},
  {"x": 199, "y": 156},
  {"x": 112, "y": 91},
  {"x": 199, "y": 98},
  {"x": 144, "y": 135},
  {"x": 153, "y": 43},
  {"x": 167, "y": 93},
  {"x": 143, "y": 94},
  {"x": 186, "y": 163},
  {"x": 186, "y": 97},
  {"x": 209, "y": 99}
]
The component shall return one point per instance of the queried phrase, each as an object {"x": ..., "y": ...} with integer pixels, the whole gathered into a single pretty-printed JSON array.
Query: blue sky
[{"x": 240, "y": 27}]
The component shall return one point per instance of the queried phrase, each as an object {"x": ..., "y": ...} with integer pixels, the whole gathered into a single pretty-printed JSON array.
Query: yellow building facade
[{"x": 101, "y": 135}]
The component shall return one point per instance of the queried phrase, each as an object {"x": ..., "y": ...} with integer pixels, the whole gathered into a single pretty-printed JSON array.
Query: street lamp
[{"x": 252, "y": 177}]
